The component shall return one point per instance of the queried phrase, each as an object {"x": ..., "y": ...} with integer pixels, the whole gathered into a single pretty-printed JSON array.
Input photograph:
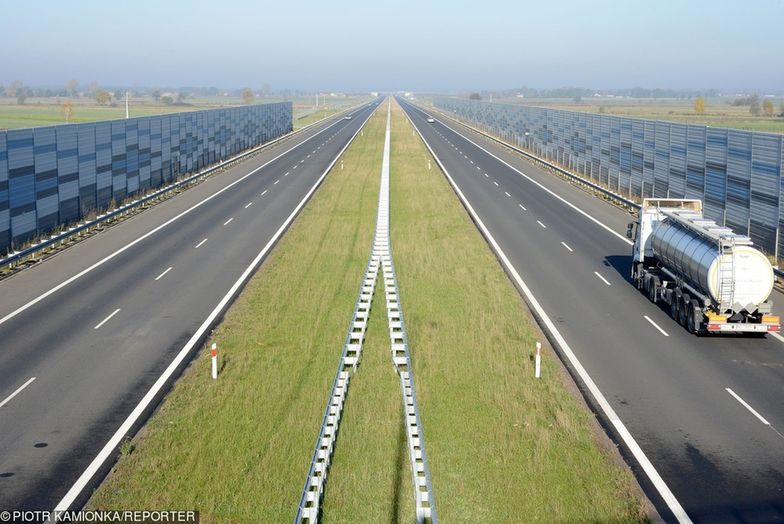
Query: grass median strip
[
  {"x": 238, "y": 449},
  {"x": 502, "y": 446}
]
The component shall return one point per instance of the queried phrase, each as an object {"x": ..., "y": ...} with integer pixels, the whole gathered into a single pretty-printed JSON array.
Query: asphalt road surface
[
  {"x": 708, "y": 412},
  {"x": 76, "y": 361}
]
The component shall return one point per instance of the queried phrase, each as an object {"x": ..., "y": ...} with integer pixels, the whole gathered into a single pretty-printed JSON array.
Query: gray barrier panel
[
  {"x": 51, "y": 176},
  {"x": 737, "y": 174}
]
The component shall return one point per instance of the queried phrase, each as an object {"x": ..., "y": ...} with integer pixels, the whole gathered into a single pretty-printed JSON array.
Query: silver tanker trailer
[{"x": 713, "y": 280}]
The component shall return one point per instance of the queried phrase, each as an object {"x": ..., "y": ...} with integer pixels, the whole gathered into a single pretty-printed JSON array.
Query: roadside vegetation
[
  {"x": 502, "y": 446},
  {"x": 47, "y": 111},
  {"x": 738, "y": 112}
]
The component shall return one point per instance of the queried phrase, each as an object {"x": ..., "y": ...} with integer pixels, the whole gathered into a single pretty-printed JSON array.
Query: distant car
[
  {"x": 348, "y": 117},
  {"x": 430, "y": 120}
]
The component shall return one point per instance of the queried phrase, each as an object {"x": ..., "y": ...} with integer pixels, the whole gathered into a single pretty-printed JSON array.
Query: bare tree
[
  {"x": 68, "y": 111},
  {"x": 247, "y": 95},
  {"x": 754, "y": 105},
  {"x": 71, "y": 87},
  {"x": 21, "y": 94},
  {"x": 12, "y": 89}
]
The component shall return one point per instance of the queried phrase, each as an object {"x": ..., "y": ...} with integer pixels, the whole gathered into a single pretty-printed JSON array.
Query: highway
[
  {"x": 707, "y": 412},
  {"x": 87, "y": 333}
]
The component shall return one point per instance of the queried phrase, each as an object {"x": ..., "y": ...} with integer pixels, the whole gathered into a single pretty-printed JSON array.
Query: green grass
[
  {"x": 314, "y": 116},
  {"x": 370, "y": 478},
  {"x": 502, "y": 446},
  {"x": 49, "y": 111},
  {"x": 718, "y": 113},
  {"x": 238, "y": 449}
]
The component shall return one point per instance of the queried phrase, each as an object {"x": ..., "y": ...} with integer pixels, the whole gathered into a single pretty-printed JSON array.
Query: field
[
  {"x": 49, "y": 111},
  {"x": 718, "y": 110},
  {"x": 502, "y": 446}
]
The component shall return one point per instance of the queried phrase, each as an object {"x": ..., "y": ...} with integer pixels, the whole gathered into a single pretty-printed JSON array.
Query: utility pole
[{"x": 127, "y": 114}]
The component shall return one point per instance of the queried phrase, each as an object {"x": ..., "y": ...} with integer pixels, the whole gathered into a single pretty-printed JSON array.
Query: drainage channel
[{"x": 381, "y": 256}]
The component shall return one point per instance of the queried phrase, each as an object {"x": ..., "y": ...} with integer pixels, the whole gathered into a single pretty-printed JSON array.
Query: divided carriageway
[
  {"x": 92, "y": 335},
  {"x": 707, "y": 412}
]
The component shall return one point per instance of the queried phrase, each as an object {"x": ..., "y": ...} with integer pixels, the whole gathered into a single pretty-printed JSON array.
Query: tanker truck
[{"x": 713, "y": 280}]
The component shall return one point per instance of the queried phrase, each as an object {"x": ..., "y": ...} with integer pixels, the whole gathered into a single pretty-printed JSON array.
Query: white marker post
[
  {"x": 214, "y": 358},
  {"x": 341, "y": 164},
  {"x": 538, "y": 360},
  {"x": 428, "y": 164}
]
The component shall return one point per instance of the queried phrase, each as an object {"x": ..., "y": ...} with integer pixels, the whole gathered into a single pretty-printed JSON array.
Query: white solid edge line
[
  {"x": 642, "y": 459},
  {"x": 200, "y": 244},
  {"x": 746, "y": 405},
  {"x": 15, "y": 393},
  {"x": 567, "y": 247},
  {"x": 161, "y": 275},
  {"x": 126, "y": 426},
  {"x": 104, "y": 321},
  {"x": 562, "y": 199},
  {"x": 127, "y": 246},
  {"x": 654, "y": 324},
  {"x": 601, "y": 277},
  {"x": 228, "y": 221}
]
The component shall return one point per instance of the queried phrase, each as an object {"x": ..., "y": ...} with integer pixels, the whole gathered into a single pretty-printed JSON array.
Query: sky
[{"x": 405, "y": 45}]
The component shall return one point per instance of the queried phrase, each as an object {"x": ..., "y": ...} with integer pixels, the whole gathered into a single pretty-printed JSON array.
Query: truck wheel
[
  {"x": 652, "y": 285},
  {"x": 683, "y": 310},
  {"x": 674, "y": 306},
  {"x": 694, "y": 321}
]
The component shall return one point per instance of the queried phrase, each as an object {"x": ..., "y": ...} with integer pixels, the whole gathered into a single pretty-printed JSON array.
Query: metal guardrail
[
  {"x": 381, "y": 255},
  {"x": 401, "y": 356},
  {"x": 310, "y": 501},
  {"x": 122, "y": 210}
]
